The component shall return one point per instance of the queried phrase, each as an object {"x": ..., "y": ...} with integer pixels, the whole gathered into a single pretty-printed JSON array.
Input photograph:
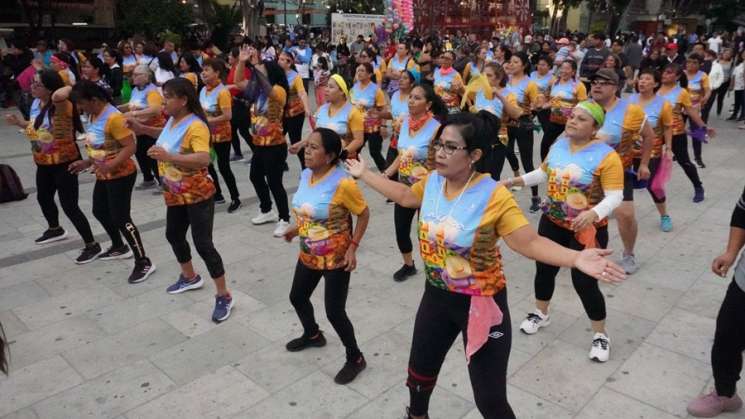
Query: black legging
[
  {"x": 111, "y": 204},
  {"x": 719, "y": 93},
  {"x": 729, "y": 341},
  {"x": 585, "y": 285},
  {"x": 550, "y": 133},
  {"x": 294, "y": 127},
  {"x": 390, "y": 157},
  {"x": 200, "y": 217},
  {"x": 680, "y": 151},
  {"x": 222, "y": 150},
  {"x": 240, "y": 122},
  {"x": 148, "y": 166},
  {"x": 523, "y": 135},
  {"x": 494, "y": 160},
  {"x": 336, "y": 289},
  {"x": 267, "y": 170},
  {"x": 375, "y": 146},
  {"x": 402, "y": 218},
  {"x": 441, "y": 316},
  {"x": 56, "y": 178}
]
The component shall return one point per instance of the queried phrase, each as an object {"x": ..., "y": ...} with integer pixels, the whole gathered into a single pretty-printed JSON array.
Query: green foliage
[
  {"x": 170, "y": 36},
  {"x": 224, "y": 21},
  {"x": 151, "y": 17}
]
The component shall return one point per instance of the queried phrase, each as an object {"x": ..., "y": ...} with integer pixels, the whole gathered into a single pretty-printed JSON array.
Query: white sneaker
[
  {"x": 535, "y": 321},
  {"x": 600, "y": 350},
  {"x": 281, "y": 228},
  {"x": 628, "y": 263},
  {"x": 264, "y": 217}
]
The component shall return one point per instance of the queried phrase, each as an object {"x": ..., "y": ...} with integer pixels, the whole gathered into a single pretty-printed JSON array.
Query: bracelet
[{"x": 356, "y": 244}]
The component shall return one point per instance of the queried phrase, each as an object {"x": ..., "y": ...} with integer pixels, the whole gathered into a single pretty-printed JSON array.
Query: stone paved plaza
[{"x": 85, "y": 344}]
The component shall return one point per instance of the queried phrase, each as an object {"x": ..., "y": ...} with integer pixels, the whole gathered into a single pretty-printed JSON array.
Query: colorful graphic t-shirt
[
  {"x": 54, "y": 141},
  {"x": 577, "y": 178},
  {"x": 542, "y": 82},
  {"x": 470, "y": 71},
  {"x": 622, "y": 129},
  {"x": 458, "y": 235},
  {"x": 192, "y": 77},
  {"x": 322, "y": 209},
  {"x": 526, "y": 94},
  {"x": 294, "y": 103},
  {"x": 103, "y": 137},
  {"x": 446, "y": 84},
  {"x": 143, "y": 98},
  {"x": 267, "y": 118},
  {"x": 344, "y": 121},
  {"x": 184, "y": 186},
  {"x": 365, "y": 98},
  {"x": 399, "y": 110},
  {"x": 415, "y": 156},
  {"x": 564, "y": 97},
  {"x": 696, "y": 87},
  {"x": 679, "y": 99},
  {"x": 216, "y": 101},
  {"x": 660, "y": 115}
]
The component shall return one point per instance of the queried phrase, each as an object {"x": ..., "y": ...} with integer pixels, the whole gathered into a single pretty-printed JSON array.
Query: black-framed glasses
[
  {"x": 448, "y": 148},
  {"x": 597, "y": 82}
]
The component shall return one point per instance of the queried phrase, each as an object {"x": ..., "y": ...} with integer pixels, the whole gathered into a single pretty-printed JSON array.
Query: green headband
[{"x": 595, "y": 110}]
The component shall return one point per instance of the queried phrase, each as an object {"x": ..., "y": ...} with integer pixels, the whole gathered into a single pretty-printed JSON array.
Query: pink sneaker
[{"x": 711, "y": 405}]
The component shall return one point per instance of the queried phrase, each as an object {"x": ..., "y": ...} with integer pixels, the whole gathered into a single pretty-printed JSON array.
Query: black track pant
[
  {"x": 294, "y": 127},
  {"x": 53, "y": 179},
  {"x": 551, "y": 132},
  {"x": 524, "y": 138},
  {"x": 585, "y": 285},
  {"x": 111, "y": 205},
  {"x": 222, "y": 150},
  {"x": 267, "y": 170},
  {"x": 680, "y": 151},
  {"x": 200, "y": 217},
  {"x": 442, "y": 315},
  {"x": 335, "y": 292},
  {"x": 148, "y": 166},
  {"x": 729, "y": 341},
  {"x": 402, "y": 218},
  {"x": 375, "y": 146},
  {"x": 240, "y": 122}
]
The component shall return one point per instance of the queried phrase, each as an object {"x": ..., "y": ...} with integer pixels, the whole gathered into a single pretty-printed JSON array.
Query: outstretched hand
[
  {"x": 593, "y": 262},
  {"x": 355, "y": 167}
]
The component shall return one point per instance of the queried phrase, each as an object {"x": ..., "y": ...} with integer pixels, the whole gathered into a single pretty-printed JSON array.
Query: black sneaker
[
  {"x": 404, "y": 273},
  {"x": 116, "y": 253},
  {"x": 297, "y": 345},
  {"x": 219, "y": 199},
  {"x": 51, "y": 235},
  {"x": 350, "y": 370},
  {"x": 234, "y": 205},
  {"x": 143, "y": 268},
  {"x": 700, "y": 164},
  {"x": 89, "y": 254},
  {"x": 535, "y": 204},
  {"x": 408, "y": 415}
]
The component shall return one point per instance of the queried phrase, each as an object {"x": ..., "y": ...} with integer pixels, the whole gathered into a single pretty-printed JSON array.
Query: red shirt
[{"x": 230, "y": 80}]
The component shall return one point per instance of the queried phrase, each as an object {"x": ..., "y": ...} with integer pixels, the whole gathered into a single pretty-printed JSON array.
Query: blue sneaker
[
  {"x": 666, "y": 223},
  {"x": 184, "y": 284},
  {"x": 223, "y": 305},
  {"x": 698, "y": 194}
]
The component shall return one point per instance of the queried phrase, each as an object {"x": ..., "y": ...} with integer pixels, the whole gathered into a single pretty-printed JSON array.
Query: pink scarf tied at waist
[{"x": 483, "y": 314}]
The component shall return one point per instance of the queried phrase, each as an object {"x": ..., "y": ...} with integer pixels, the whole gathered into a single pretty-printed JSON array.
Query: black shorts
[{"x": 628, "y": 186}]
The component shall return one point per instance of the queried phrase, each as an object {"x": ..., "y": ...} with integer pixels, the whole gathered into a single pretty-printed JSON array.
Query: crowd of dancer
[{"x": 451, "y": 115}]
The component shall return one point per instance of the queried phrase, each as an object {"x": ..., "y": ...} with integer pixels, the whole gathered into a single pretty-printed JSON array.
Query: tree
[
  {"x": 151, "y": 17},
  {"x": 224, "y": 20}
]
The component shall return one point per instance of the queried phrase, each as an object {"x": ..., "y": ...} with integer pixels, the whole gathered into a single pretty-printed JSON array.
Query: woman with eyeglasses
[
  {"x": 520, "y": 130},
  {"x": 51, "y": 131},
  {"x": 182, "y": 152},
  {"x": 367, "y": 96},
  {"x": 564, "y": 94},
  {"x": 463, "y": 214},
  {"x": 448, "y": 82},
  {"x": 110, "y": 146},
  {"x": 129, "y": 60},
  {"x": 584, "y": 178},
  {"x": 680, "y": 100},
  {"x": 145, "y": 105},
  {"x": 298, "y": 107}
]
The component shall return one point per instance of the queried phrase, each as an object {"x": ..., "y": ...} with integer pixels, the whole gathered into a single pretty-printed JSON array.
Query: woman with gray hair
[{"x": 145, "y": 106}]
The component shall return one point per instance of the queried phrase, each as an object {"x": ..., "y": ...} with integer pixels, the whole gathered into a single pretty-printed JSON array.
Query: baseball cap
[
  {"x": 563, "y": 41},
  {"x": 606, "y": 74},
  {"x": 671, "y": 45}
]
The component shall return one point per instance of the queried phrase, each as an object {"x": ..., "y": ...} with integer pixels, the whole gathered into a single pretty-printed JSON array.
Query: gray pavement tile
[
  {"x": 705, "y": 296},
  {"x": 661, "y": 378},
  {"x": 27, "y": 413},
  {"x": 392, "y": 404},
  {"x": 608, "y": 403},
  {"x": 108, "y": 395},
  {"x": 61, "y": 307},
  {"x": 21, "y": 294},
  {"x": 217, "y": 395},
  {"x": 36, "y": 382},
  {"x": 330, "y": 402},
  {"x": 207, "y": 352},
  {"x": 131, "y": 345},
  {"x": 11, "y": 324},
  {"x": 643, "y": 299},
  {"x": 686, "y": 333}
]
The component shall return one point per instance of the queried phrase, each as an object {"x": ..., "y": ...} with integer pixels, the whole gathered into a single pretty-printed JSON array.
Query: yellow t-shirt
[
  {"x": 267, "y": 119},
  {"x": 184, "y": 186},
  {"x": 114, "y": 132},
  {"x": 54, "y": 141},
  {"x": 192, "y": 77},
  {"x": 294, "y": 103}
]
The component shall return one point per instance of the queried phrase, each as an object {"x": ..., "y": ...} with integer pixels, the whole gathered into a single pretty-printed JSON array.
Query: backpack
[{"x": 10, "y": 185}]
